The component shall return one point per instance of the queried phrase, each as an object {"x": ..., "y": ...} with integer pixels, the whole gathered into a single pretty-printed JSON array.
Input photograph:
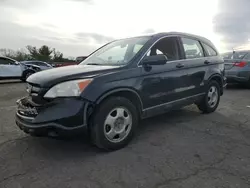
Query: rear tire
[
  {"x": 211, "y": 99},
  {"x": 114, "y": 123}
]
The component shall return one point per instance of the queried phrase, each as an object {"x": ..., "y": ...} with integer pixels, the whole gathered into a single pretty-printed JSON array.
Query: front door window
[{"x": 167, "y": 47}]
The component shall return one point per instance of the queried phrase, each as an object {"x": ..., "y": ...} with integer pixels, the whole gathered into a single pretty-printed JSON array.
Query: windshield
[{"x": 116, "y": 53}]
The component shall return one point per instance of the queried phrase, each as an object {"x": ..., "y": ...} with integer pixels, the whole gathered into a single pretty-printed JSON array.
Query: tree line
[{"x": 44, "y": 53}]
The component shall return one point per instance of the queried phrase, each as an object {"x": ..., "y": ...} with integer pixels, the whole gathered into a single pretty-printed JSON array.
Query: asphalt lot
[{"x": 183, "y": 149}]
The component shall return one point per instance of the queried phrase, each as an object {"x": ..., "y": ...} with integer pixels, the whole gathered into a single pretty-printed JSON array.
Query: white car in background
[
  {"x": 12, "y": 69},
  {"x": 40, "y": 64}
]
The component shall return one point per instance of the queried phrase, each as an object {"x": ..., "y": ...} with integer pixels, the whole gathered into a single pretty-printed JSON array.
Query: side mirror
[
  {"x": 155, "y": 60},
  {"x": 16, "y": 63}
]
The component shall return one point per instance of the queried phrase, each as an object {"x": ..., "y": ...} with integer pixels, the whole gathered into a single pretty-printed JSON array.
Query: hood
[{"x": 54, "y": 76}]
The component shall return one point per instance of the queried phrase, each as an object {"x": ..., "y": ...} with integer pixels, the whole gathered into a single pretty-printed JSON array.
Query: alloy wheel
[
  {"x": 212, "y": 96},
  {"x": 118, "y": 124}
]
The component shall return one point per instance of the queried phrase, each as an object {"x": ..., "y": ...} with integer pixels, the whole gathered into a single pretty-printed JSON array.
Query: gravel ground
[{"x": 183, "y": 149}]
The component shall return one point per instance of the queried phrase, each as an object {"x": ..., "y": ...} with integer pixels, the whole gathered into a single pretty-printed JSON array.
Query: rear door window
[{"x": 192, "y": 48}]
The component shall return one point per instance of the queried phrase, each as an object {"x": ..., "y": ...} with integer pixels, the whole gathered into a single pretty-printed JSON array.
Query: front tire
[
  {"x": 26, "y": 75},
  {"x": 114, "y": 123},
  {"x": 211, "y": 100}
]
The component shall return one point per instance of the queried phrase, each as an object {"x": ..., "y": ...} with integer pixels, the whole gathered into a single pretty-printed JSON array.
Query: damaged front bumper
[{"x": 62, "y": 116}]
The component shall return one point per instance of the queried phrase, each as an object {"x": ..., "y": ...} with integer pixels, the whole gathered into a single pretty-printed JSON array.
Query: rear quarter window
[{"x": 210, "y": 51}]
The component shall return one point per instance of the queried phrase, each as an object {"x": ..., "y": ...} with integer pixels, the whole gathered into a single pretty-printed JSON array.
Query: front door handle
[
  {"x": 180, "y": 65},
  {"x": 206, "y": 62}
]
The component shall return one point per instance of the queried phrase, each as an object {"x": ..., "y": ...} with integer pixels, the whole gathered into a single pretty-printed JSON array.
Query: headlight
[{"x": 68, "y": 89}]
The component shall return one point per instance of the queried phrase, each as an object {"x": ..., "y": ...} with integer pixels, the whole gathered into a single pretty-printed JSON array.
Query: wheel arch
[
  {"x": 26, "y": 71},
  {"x": 128, "y": 93},
  {"x": 217, "y": 77}
]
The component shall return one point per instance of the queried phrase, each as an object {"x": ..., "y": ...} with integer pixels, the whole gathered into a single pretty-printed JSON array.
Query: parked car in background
[
  {"x": 63, "y": 64},
  {"x": 237, "y": 67},
  {"x": 41, "y": 64},
  {"x": 12, "y": 69},
  {"x": 81, "y": 58},
  {"x": 121, "y": 83}
]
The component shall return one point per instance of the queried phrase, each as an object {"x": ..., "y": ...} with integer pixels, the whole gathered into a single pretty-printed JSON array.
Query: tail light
[{"x": 240, "y": 64}]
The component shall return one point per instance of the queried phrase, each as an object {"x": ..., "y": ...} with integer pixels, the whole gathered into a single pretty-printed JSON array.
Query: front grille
[{"x": 27, "y": 108}]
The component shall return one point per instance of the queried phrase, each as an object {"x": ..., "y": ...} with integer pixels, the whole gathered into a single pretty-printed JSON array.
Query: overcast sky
[{"x": 77, "y": 27}]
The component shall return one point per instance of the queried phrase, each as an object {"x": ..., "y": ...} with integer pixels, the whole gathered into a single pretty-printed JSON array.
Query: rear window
[{"x": 239, "y": 55}]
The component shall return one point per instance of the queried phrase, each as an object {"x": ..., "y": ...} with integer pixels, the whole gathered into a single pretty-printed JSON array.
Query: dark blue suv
[{"x": 119, "y": 84}]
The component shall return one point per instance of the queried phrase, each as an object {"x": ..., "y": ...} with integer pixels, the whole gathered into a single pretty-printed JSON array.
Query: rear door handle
[
  {"x": 179, "y": 65},
  {"x": 206, "y": 62}
]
